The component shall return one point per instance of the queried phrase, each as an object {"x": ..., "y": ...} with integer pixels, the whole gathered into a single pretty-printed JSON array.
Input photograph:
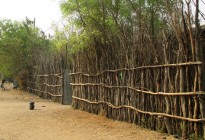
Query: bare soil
[{"x": 53, "y": 121}]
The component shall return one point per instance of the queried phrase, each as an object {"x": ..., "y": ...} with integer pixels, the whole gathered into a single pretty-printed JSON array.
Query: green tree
[{"x": 19, "y": 45}]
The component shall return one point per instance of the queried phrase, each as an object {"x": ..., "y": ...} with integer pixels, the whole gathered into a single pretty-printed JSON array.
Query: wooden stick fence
[
  {"x": 142, "y": 67},
  {"x": 140, "y": 111},
  {"x": 46, "y": 86},
  {"x": 137, "y": 95},
  {"x": 132, "y": 94},
  {"x": 45, "y": 92},
  {"x": 142, "y": 91}
]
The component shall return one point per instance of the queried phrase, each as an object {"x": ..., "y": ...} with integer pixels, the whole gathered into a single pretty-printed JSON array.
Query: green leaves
[
  {"x": 83, "y": 40},
  {"x": 18, "y": 44}
]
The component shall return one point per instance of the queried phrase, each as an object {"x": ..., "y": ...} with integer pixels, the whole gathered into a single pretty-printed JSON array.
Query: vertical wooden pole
[
  {"x": 201, "y": 72},
  {"x": 67, "y": 92},
  {"x": 166, "y": 89},
  {"x": 183, "y": 101},
  {"x": 167, "y": 120}
]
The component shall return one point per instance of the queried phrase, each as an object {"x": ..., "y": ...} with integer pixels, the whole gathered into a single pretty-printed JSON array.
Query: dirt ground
[{"x": 53, "y": 121}]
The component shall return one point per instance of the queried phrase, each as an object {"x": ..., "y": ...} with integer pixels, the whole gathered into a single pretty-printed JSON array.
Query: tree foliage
[
  {"x": 19, "y": 44},
  {"x": 113, "y": 27}
]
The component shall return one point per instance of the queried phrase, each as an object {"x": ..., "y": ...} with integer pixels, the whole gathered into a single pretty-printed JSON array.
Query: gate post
[
  {"x": 67, "y": 91},
  {"x": 66, "y": 79}
]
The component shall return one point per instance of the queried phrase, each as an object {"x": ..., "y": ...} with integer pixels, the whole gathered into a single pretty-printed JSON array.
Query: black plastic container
[{"x": 31, "y": 105}]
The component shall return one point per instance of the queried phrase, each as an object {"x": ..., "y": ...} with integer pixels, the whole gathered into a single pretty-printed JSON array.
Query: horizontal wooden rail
[
  {"x": 47, "y": 75},
  {"x": 44, "y": 92},
  {"x": 141, "y": 91},
  {"x": 45, "y": 84},
  {"x": 52, "y": 85},
  {"x": 140, "y": 111},
  {"x": 141, "y": 67}
]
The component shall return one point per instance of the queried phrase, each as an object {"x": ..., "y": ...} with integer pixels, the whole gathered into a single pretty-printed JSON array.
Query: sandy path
[{"x": 53, "y": 121}]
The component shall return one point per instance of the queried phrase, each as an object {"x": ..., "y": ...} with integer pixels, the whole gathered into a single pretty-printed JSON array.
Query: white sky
[{"x": 45, "y": 12}]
